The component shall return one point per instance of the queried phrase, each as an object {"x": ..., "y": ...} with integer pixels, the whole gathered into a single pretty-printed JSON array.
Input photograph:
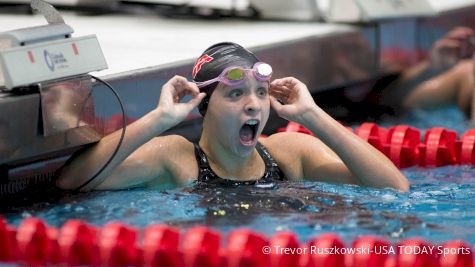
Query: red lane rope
[
  {"x": 402, "y": 144},
  {"x": 78, "y": 244}
]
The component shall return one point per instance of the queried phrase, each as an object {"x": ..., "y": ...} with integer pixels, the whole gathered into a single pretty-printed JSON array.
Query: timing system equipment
[{"x": 45, "y": 53}]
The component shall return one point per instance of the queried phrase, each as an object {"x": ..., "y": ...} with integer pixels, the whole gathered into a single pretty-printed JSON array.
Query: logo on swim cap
[{"x": 202, "y": 60}]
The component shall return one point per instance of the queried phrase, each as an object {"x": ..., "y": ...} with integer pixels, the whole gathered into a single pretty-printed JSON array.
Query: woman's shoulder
[
  {"x": 176, "y": 155},
  {"x": 171, "y": 144},
  {"x": 287, "y": 149},
  {"x": 291, "y": 146},
  {"x": 289, "y": 139}
]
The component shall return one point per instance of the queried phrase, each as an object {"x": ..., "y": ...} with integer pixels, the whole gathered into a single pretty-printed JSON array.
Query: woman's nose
[{"x": 253, "y": 104}]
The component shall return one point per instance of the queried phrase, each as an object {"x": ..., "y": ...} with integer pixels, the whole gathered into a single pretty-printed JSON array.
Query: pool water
[{"x": 439, "y": 206}]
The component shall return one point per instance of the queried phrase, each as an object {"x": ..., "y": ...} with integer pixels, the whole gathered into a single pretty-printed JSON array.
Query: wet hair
[{"x": 214, "y": 60}]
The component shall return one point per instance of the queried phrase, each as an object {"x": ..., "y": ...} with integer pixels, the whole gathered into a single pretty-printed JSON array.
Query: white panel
[
  {"x": 385, "y": 9},
  {"x": 324, "y": 5},
  {"x": 285, "y": 9},
  {"x": 344, "y": 11},
  {"x": 447, "y": 5}
]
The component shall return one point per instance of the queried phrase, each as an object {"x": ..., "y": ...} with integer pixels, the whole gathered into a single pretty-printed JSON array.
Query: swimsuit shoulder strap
[
  {"x": 200, "y": 156},
  {"x": 205, "y": 172},
  {"x": 272, "y": 168}
]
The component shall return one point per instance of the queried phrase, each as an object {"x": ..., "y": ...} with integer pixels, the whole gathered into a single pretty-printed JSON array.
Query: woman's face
[{"x": 236, "y": 115}]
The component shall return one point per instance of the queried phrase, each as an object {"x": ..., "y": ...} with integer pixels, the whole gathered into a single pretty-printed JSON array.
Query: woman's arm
[
  {"x": 168, "y": 113},
  {"x": 363, "y": 164},
  {"x": 434, "y": 82}
]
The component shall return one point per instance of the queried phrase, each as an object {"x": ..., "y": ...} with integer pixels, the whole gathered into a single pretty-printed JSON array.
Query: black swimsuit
[{"x": 272, "y": 171}]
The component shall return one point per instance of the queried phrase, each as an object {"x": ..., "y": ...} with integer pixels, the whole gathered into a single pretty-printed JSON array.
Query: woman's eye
[
  {"x": 262, "y": 92},
  {"x": 235, "y": 93}
]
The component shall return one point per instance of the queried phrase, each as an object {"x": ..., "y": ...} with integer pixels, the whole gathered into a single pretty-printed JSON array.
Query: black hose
[{"x": 124, "y": 121}]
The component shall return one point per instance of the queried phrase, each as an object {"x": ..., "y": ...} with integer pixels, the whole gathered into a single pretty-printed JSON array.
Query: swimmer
[
  {"x": 445, "y": 78},
  {"x": 233, "y": 91}
]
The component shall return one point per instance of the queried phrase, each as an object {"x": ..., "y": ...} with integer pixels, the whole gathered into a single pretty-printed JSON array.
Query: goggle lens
[
  {"x": 264, "y": 70},
  {"x": 235, "y": 74}
]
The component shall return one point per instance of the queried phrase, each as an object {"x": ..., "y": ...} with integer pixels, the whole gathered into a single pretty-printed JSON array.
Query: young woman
[{"x": 235, "y": 94}]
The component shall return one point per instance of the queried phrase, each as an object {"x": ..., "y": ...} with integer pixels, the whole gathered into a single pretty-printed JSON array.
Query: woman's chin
[{"x": 245, "y": 148}]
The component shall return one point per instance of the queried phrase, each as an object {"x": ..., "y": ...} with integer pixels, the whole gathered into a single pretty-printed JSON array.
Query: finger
[
  {"x": 274, "y": 86},
  {"x": 180, "y": 83},
  {"x": 282, "y": 82},
  {"x": 275, "y": 104},
  {"x": 194, "y": 88},
  {"x": 169, "y": 89},
  {"x": 185, "y": 90},
  {"x": 290, "y": 82},
  {"x": 181, "y": 94},
  {"x": 276, "y": 82},
  {"x": 460, "y": 33},
  {"x": 278, "y": 87},
  {"x": 447, "y": 44},
  {"x": 175, "y": 81},
  {"x": 281, "y": 96},
  {"x": 463, "y": 28},
  {"x": 279, "y": 92},
  {"x": 275, "y": 89},
  {"x": 285, "y": 91},
  {"x": 195, "y": 101},
  {"x": 188, "y": 87}
]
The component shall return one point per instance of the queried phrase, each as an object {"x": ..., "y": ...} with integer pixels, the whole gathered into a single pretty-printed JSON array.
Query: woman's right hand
[
  {"x": 172, "y": 111},
  {"x": 455, "y": 45}
]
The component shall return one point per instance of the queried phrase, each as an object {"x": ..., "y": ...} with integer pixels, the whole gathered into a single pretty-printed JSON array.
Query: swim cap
[{"x": 214, "y": 60}]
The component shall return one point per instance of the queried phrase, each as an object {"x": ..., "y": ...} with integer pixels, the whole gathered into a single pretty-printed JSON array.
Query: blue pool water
[{"x": 439, "y": 206}]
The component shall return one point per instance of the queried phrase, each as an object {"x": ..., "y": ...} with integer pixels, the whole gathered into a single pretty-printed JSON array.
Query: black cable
[{"x": 124, "y": 120}]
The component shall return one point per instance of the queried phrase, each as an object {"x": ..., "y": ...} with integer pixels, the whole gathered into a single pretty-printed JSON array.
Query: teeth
[{"x": 252, "y": 122}]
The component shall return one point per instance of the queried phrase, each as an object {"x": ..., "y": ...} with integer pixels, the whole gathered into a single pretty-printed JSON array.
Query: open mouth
[{"x": 248, "y": 132}]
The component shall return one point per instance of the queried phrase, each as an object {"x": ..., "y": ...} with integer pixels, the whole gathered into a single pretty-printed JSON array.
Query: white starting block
[{"x": 45, "y": 53}]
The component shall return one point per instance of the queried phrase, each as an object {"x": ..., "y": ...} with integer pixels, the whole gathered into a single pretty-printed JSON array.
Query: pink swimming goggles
[{"x": 232, "y": 76}]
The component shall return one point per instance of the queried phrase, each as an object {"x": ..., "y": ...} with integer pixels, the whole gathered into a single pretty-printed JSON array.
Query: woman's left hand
[{"x": 291, "y": 99}]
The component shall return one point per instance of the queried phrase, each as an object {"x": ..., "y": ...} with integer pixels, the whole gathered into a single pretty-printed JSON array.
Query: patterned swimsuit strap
[
  {"x": 266, "y": 156},
  {"x": 205, "y": 172},
  {"x": 272, "y": 171},
  {"x": 200, "y": 156}
]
